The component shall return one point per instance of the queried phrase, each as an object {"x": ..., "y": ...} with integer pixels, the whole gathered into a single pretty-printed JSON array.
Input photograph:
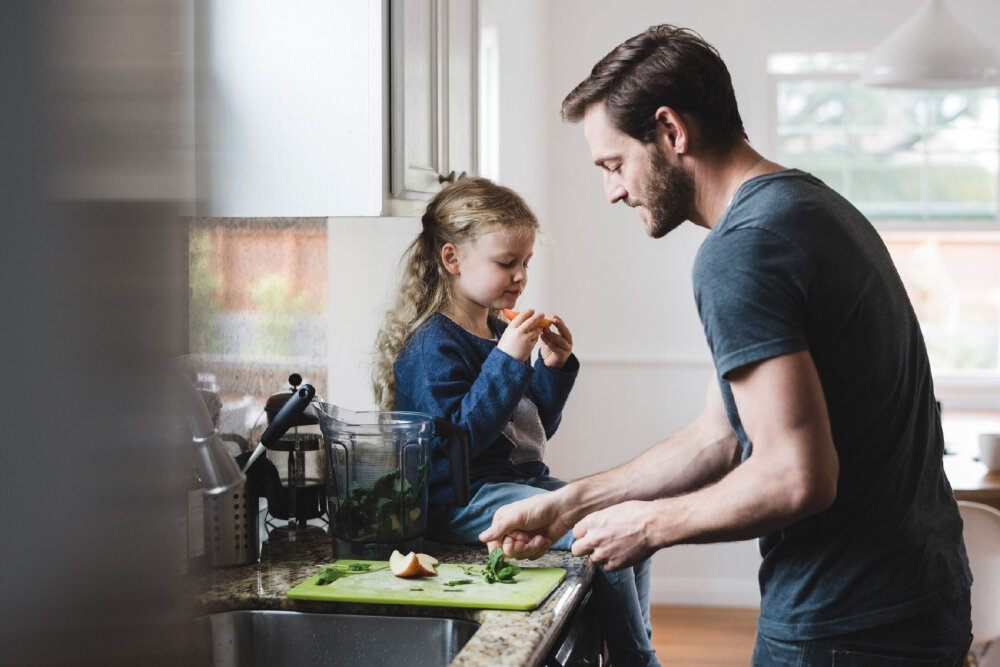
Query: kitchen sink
[{"x": 291, "y": 639}]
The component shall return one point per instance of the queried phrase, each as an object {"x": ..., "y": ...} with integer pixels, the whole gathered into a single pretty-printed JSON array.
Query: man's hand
[
  {"x": 616, "y": 537},
  {"x": 527, "y": 528},
  {"x": 521, "y": 544}
]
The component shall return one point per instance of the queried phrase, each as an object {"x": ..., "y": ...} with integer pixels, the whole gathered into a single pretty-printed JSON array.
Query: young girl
[{"x": 443, "y": 350}]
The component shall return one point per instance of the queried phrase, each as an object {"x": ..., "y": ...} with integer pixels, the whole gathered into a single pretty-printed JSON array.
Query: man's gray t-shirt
[{"x": 792, "y": 266}]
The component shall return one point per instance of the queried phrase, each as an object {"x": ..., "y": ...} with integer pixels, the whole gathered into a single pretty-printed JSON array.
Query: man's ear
[
  {"x": 449, "y": 257},
  {"x": 672, "y": 130}
]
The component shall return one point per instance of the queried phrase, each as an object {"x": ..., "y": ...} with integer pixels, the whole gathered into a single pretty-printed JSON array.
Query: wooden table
[{"x": 970, "y": 480}]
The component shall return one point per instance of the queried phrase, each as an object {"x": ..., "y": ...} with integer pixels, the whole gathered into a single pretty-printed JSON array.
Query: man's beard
[{"x": 668, "y": 195}]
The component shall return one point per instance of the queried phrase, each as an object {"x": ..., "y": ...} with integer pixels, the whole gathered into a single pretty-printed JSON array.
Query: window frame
[{"x": 972, "y": 392}]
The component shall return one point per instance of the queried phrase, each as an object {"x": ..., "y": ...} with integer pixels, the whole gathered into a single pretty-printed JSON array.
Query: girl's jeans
[{"x": 622, "y": 597}]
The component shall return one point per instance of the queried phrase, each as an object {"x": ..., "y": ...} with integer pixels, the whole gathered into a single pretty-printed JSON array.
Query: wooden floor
[{"x": 702, "y": 636}]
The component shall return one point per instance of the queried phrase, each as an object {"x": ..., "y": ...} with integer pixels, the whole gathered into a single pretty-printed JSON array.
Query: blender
[{"x": 377, "y": 477}]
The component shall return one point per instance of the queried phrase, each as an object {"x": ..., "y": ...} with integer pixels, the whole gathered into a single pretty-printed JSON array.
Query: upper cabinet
[
  {"x": 433, "y": 64},
  {"x": 320, "y": 108},
  {"x": 288, "y": 106}
]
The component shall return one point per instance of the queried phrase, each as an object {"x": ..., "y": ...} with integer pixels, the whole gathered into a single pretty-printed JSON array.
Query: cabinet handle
[{"x": 450, "y": 178}]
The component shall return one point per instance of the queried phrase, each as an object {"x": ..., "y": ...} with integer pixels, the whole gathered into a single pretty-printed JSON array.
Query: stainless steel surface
[
  {"x": 581, "y": 642},
  {"x": 217, "y": 469},
  {"x": 231, "y": 528},
  {"x": 291, "y": 639}
]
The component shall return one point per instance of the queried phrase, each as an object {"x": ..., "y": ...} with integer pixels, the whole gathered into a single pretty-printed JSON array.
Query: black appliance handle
[
  {"x": 296, "y": 403},
  {"x": 458, "y": 457}
]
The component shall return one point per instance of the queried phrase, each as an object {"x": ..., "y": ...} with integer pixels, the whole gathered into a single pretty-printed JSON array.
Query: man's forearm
[
  {"x": 685, "y": 461},
  {"x": 792, "y": 474},
  {"x": 761, "y": 496}
]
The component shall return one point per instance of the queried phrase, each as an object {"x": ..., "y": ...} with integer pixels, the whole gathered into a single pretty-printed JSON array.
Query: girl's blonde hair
[{"x": 459, "y": 213}]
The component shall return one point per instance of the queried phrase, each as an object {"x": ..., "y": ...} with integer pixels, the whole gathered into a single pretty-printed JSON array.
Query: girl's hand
[
  {"x": 521, "y": 334},
  {"x": 556, "y": 345}
]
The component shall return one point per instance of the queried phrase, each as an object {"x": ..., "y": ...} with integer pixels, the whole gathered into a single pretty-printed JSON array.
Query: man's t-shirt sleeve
[{"x": 751, "y": 290}]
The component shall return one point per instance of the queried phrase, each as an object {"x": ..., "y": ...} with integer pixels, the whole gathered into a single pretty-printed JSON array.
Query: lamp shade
[{"x": 932, "y": 50}]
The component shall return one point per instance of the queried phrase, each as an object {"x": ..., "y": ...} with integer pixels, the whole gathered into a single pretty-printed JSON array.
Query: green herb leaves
[
  {"x": 330, "y": 573},
  {"x": 498, "y": 570},
  {"x": 386, "y": 510},
  {"x": 459, "y": 582}
]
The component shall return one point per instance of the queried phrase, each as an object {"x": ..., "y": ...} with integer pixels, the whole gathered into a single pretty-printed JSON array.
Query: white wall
[
  {"x": 626, "y": 297},
  {"x": 363, "y": 261}
]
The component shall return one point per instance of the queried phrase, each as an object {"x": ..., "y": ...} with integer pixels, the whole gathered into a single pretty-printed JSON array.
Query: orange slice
[{"x": 545, "y": 323}]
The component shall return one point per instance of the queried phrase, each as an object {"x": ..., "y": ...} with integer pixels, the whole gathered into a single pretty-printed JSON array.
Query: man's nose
[{"x": 614, "y": 190}]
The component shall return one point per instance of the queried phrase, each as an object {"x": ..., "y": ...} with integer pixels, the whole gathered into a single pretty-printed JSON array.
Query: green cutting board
[{"x": 532, "y": 585}]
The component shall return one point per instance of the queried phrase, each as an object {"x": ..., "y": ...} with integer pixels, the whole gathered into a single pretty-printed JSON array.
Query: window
[
  {"x": 257, "y": 310},
  {"x": 952, "y": 280},
  {"x": 896, "y": 154},
  {"x": 924, "y": 166}
]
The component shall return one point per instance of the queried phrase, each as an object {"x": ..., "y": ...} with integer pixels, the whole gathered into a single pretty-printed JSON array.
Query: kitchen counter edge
[{"x": 503, "y": 637}]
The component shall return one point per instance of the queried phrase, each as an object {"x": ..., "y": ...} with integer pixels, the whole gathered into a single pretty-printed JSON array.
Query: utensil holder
[{"x": 231, "y": 528}]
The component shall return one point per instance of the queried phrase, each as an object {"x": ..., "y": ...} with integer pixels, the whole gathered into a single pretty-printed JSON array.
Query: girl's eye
[{"x": 511, "y": 264}]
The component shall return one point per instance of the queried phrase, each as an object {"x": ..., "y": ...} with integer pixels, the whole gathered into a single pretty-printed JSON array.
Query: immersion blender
[{"x": 297, "y": 402}]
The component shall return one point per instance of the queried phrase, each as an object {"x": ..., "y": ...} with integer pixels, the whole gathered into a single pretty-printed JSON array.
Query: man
[{"x": 819, "y": 433}]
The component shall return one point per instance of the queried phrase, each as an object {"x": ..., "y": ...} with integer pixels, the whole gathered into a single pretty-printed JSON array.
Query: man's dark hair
[{"x": 663, "y": 66}]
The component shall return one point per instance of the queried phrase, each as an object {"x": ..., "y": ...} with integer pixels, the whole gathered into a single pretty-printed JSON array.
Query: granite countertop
[{"x": 503, "y": 638}]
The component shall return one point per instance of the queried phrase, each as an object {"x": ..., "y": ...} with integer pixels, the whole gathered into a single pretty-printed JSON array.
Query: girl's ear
[{"x": 449, "y": 258}]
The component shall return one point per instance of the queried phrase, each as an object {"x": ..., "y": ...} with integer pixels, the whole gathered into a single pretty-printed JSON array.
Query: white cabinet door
[
  {"x": 433, "y": 66},
  {"x": 463, "y": 50}
]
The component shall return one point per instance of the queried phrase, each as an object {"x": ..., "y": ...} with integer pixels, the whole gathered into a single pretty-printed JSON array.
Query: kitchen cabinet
[
  {"x": 433, "y": 95},
  {"x": 333, "y": 108},
  {"x": 284, "y": 100}
]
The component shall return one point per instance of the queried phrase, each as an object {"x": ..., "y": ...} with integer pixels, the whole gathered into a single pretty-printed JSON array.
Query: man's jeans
[{"x": 940, "y": 638}]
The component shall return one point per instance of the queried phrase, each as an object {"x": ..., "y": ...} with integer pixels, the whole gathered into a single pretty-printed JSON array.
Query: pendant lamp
[{"x": 933, "y": 49}]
